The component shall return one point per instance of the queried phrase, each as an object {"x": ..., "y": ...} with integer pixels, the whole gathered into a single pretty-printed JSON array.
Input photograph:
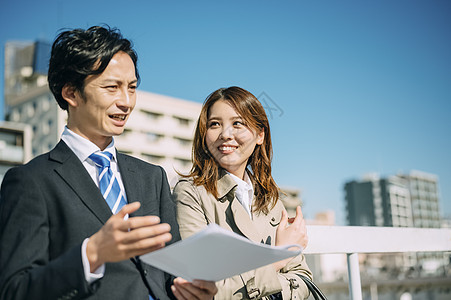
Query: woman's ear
[
  {"x": 261, "y": 137},
  {"x": 70, "y": 94}
]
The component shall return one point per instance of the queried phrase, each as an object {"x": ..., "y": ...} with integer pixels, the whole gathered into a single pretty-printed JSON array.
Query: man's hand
[
  {"x": 121, "y": 239},
  {"x": 198, "y": 289},
  {"x": 291, "y": 231}
]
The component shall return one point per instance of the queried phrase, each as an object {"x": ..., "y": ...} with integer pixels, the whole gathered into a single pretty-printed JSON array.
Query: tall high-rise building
[
  {"x": 424, "y": 196},
  {"x": 378, "y": 202},
  {"x": 403, "y": 200}
]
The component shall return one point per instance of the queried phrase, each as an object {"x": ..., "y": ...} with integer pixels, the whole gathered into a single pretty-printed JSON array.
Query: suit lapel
[
  {"x": 130, "y": 180},
  {"x": 77, "y": 178}
]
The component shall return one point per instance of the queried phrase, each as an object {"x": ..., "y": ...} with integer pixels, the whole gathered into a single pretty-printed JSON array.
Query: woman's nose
[{"x": 227, "y": 132}]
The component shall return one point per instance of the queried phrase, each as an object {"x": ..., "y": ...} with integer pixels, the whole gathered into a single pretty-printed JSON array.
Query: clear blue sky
[{"x": 352, "y": 86}]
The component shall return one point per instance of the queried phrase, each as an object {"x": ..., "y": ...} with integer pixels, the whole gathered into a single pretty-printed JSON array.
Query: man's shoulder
[
  {"x": 36, "y": 163},
  {"x": 130, "y": 160},
  {"x": 45, "y": 160}
]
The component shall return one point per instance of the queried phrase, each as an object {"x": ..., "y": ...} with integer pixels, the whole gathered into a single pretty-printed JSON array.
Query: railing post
[{"x": 355, "y": 287}]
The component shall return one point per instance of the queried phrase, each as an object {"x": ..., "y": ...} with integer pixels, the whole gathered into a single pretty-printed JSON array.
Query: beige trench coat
[{"x": 196, "y": 209}]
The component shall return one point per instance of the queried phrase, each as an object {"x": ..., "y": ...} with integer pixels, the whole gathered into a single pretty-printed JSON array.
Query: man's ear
[
  {"x": 261, "y": 137},
  {"x": 71, "y": 95}
]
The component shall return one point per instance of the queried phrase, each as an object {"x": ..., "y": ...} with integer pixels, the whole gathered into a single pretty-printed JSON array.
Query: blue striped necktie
[{"x": 108, "y": 184}]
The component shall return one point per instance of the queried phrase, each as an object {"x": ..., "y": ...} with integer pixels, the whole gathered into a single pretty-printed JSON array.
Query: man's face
[{"x": 102, "y": 109}]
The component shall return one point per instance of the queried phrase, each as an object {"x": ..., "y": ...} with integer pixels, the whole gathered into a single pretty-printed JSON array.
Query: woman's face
[{"x": 228, "y": 138}]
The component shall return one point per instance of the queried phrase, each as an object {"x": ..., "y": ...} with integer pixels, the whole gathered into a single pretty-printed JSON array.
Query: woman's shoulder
[
  {"x": 184, "y": 183},
  {"x": 185, "y": 187}
]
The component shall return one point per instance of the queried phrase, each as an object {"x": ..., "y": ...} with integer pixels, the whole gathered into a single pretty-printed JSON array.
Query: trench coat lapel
[
  {"x": 77, "y": 178},
  {"x": 226, "y": 191}
]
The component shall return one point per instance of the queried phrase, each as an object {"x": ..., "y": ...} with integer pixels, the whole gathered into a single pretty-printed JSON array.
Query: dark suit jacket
[{"x": 50, "y": 205}]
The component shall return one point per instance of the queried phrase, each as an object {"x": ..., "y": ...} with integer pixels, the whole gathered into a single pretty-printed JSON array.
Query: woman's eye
[
  {"x": 213, "y": 124},
  {"x": 238, "y": 123}
]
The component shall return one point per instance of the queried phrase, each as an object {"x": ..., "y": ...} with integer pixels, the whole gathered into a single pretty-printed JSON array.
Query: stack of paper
[{"x": 215, "y": 254}]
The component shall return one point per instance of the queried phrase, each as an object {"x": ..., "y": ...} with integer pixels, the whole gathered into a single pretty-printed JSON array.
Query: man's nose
[{"x": 125, "y": 99}]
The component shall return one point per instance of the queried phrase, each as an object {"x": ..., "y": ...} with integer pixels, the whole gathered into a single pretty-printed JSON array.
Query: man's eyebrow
[{"x": 112, "y": 80}]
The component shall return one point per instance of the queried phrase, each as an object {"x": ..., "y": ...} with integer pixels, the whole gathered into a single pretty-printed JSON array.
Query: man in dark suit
[{"x": 61, "y": 237}]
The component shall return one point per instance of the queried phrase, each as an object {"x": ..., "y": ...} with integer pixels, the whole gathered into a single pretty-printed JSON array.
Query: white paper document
[{"x": 215, "y": 254}]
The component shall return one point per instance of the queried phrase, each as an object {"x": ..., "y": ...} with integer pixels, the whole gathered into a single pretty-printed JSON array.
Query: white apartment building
[
  {"x": 15, "y": 145},
  {"x": 160, "y": 130},
  {"x": 38, "y": 108}
]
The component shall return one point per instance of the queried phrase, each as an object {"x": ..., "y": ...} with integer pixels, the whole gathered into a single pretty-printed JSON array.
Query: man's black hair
[{"x": 79, "y": 53}]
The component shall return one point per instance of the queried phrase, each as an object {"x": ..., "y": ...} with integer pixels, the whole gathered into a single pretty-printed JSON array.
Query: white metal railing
[{"x": 352, "y": 240}]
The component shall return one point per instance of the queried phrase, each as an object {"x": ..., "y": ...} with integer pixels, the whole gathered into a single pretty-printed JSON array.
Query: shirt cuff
[{"x": 90, "y": 277}]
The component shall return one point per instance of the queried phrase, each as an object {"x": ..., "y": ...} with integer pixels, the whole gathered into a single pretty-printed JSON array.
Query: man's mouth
[{"x": 118, "y": 117}]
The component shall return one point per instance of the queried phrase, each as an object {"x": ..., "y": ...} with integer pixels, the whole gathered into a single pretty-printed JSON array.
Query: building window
[
  {"x": 45, "y": 128},
  {"x": 152, "y": 115},
  {"x": 46, "y": 103},
  {"x": 153, "y": 137},
  {"x": 31, "y": 109},
  {"x": 126, "y": 131},
  {"x": 183, "y": 141},
  {"x": 15, "y": 116},
  {"x": 182, "y": 121}
]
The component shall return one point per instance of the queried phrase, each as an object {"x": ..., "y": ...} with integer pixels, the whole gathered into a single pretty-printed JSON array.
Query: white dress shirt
[
  {"x": 83, "y": 148},
  {"x": 244, "y": 192}
]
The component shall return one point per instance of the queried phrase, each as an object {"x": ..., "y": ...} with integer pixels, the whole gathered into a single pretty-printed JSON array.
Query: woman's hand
[{"x": 291, "y": 231}]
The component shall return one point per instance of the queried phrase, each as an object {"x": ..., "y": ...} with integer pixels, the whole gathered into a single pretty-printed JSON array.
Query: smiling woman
[
  {"x": 228, "y": 138},
  {"x": 230, "y": 184}
]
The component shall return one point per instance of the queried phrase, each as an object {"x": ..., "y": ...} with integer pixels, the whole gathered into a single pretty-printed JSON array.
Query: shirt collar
[
  {"x": 244, "y": 191},
  {"x": 82, "y": 147},
  {"x": 243, "y": 185}
]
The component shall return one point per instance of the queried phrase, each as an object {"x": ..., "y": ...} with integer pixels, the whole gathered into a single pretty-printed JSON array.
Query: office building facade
[
  {"x": 403, "y": 200},
  {"x": 15, "y": 145}
]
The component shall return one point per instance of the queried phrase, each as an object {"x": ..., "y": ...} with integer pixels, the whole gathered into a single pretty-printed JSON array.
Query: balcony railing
[{"x": 352, "y": 240}]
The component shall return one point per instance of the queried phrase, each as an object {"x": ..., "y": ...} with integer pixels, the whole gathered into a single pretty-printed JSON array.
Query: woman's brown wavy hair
[{"x": 205, "y": 170}]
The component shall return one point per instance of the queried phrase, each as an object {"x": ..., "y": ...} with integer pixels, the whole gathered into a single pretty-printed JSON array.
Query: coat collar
[
  {"x": 249, "y": 228},
  {"x": 226, "y": 184}
]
